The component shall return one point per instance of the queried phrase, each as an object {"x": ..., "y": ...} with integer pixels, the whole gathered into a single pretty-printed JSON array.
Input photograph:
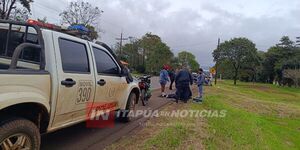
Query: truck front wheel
[
  {"x": 125, "y": 115},
  {"x": 18, "y": 134}
]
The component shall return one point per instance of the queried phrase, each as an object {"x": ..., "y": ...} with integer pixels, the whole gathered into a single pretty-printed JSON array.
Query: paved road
[
  {"x": 80, "y": 137},
  {"x": 155, "y": 82}
]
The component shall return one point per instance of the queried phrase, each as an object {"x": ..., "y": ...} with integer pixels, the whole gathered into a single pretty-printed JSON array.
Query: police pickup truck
[{"x": 47, "y": 79}]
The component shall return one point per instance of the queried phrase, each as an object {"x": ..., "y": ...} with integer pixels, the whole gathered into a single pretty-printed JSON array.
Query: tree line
[
  {"x": 239, "y": 59},
  {"x": 149, "y": 53}
]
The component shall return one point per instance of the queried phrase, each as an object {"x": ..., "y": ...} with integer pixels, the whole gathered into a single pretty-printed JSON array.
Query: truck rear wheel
[
  {"x": 130, "y": 106},
  {"x": 19, "y": 134}
]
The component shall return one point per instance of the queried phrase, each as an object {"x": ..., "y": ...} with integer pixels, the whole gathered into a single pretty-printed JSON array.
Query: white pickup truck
[{"x": 48, "y": 77}]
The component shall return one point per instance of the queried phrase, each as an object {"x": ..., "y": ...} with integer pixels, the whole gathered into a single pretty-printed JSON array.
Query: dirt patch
[{"x": 259, "y": 87}]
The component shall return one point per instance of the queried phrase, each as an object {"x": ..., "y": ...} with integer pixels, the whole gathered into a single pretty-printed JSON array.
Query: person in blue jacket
[
  {"x": 163, "y": 79},
  {"x": 200, "y": 83}
]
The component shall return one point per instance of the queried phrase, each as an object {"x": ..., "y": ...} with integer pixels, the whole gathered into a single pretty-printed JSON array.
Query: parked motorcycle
[{"x": 145, "y": 84}]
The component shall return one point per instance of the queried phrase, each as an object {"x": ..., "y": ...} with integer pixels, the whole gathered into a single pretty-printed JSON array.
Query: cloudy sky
[{"x": 192, "y": 25}]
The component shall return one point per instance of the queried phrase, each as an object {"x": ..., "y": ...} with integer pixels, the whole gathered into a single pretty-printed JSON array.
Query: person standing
[
  {"x": 163, "y": 79},
  {"x": 172, "y": 78},
  {"x": 183, "y": 80},
  {"x": 200, "y": 83}
]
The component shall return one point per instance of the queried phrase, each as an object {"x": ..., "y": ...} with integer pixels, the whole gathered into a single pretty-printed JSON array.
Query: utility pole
[
  {"x": 121, "y": 39},
  {"x": 216, "y": 66},
  {"x": 133, "y": 56}
]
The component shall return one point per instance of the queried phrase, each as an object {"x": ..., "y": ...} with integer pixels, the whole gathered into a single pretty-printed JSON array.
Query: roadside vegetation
[
  {"x": 259, "y": 116},
  {"x": 239, "y": 59}
]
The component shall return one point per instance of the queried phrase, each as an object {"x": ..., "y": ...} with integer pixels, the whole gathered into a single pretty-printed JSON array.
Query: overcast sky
[{"x": 192, "y": 25}]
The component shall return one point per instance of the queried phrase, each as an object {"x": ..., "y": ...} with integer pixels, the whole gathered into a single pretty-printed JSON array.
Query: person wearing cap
[{"x": 163, "y": 79}]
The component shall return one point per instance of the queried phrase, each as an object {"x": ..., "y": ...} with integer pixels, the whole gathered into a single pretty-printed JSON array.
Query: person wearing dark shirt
[
  {"x": 183, "y": 79},
  {"x": 172, "y": 78}
]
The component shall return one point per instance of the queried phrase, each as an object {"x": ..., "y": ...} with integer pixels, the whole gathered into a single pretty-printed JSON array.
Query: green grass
[
  {"x": 247, "y": 127},
  {"x": 258, "y": 116},
  {"x": 169, "y": 138},
  {"x": 265, "y": 92}
]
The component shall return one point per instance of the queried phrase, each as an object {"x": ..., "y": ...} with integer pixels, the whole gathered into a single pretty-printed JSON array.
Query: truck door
[
  {"x": 110, "y": 86},
  {"x": 76, "y": 79}
]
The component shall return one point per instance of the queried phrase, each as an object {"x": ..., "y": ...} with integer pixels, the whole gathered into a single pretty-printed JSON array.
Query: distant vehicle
[
  {"x": 47, "y": 78},
  {"x": 207, "y": 77},
  {"x": 195, "y": 76}
]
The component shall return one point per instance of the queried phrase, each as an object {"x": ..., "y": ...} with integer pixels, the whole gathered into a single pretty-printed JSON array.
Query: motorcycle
[{"x": 145, "y": 84}]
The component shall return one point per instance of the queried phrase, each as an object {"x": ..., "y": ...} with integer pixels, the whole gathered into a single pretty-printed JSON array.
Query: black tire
[
  {"x": 124, "y": 115},
  {"x": 143, "y": 97},
  {"x": 18, "y": 128}
]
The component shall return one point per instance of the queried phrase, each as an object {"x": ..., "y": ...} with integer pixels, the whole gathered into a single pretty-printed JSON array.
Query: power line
[
  {"x": 55, "y": 10},
  {"x": 48, "y": 9}
]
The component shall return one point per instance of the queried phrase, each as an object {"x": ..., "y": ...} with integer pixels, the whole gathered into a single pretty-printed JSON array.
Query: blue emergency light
[{"x": 80, "y": 28}]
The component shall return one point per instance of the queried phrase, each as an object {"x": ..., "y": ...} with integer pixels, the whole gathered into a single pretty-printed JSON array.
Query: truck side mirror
[{"x": 126, "y": 73}]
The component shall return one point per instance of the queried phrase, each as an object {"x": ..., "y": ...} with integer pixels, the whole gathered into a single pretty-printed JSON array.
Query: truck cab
[{"x": 47, "y": 79}]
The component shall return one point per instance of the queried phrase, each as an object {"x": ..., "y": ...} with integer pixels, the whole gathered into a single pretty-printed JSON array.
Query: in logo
[{"x": 100, "y": 115}]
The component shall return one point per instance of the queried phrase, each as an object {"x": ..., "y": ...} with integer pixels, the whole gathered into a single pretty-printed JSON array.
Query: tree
[
  {"x": 189, "y": 59},
  {"x": 93, "y": 34},
  {"x": 291, "y": 71},
  {"x": 276, "y": 58},
  {"x": 155, "y": 52},
  {"x": 237, "y": 52},
  {"x": 175, "y": 62},
  {"x": 82, "y": 13},
  {"x": 19, "y": 14},
  {"x": 9, "y": 7},
  {"x": 225, "y": 69},
  {"x": 131, "y": 50}
]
